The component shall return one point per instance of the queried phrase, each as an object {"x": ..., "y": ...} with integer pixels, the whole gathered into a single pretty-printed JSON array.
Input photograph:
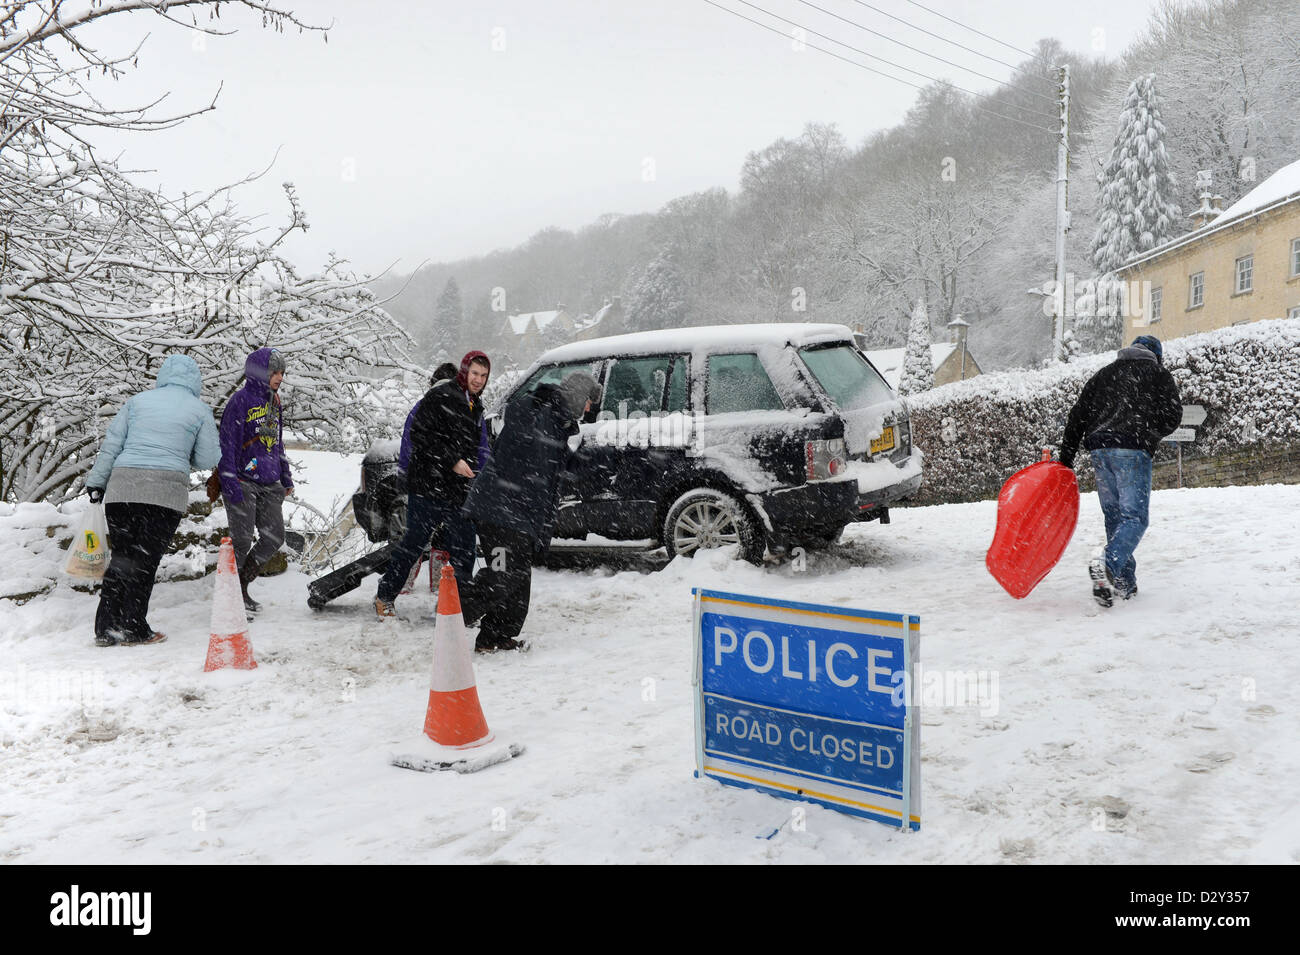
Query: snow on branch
[{"x": 101, "y": 279}]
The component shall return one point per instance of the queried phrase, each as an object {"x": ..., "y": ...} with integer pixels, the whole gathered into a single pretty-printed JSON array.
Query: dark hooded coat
[
  {"x": 1131, "y": 403},
  {"x": 519, "y": 489}
]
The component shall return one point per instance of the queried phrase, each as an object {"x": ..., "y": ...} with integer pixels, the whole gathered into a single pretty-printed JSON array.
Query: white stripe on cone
[{"x": 453, "y": 654}]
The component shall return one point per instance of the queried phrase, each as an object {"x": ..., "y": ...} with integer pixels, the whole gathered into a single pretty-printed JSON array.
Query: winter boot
[
  {"x": 1101, "y": 588},
  {"x": 493, "y": 643},
  {"x": 247, "y": 575},
  {"x": 155, "y": 637}
]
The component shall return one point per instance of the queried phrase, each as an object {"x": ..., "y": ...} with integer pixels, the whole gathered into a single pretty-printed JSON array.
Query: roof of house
[
  {"x": 889, "y": 361},
  {"x": 519, "y": 323},
  {"x": 1278, "y": 189},
  {"x": 590, "y": 321}
]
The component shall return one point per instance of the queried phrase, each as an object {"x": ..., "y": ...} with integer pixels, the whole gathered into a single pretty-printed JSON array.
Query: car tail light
[{"x": 824, "y": 459}]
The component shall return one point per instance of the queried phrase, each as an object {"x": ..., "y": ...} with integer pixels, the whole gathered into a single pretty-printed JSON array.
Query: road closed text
[{"x": 815, "y": 743}]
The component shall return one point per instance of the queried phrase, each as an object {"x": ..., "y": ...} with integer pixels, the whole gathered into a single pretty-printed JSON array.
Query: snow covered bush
[{"x": 977, "y": 433}]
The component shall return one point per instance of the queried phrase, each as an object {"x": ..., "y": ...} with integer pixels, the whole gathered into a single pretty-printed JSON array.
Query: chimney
[
  {"x": 1211, "y": 203},
  {"x": 957, "y": 329}
]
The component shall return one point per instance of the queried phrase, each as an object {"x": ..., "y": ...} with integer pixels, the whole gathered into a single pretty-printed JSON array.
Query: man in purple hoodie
[{"x": 254, "y": 471}]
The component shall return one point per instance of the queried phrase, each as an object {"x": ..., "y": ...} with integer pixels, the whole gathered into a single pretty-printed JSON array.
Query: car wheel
[{"x": 705, "y": 518}]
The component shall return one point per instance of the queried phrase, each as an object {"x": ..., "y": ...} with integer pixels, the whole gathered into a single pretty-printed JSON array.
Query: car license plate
[{"x": 885, "y": 442}]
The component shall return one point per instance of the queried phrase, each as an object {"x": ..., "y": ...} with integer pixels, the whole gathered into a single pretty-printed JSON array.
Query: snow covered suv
[{"x": 766, "y": 436}]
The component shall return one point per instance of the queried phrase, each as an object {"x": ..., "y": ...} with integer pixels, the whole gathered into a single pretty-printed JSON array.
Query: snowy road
[{"x": 1163, "y": 730}]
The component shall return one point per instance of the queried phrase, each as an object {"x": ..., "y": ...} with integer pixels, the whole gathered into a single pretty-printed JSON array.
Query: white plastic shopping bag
[{"x": 88, "y": 555}]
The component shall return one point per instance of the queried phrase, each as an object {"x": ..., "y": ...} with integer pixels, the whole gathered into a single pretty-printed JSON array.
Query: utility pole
[{"x": 1062, "y": 209}]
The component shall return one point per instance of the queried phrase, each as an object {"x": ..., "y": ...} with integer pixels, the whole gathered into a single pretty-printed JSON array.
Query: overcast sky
[{"x": 440, "y": 130}]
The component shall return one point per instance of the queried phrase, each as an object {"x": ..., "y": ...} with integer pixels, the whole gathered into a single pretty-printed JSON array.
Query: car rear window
[
  {"x": 846, "y": 376},
  {"x": 740, "y": 383}
]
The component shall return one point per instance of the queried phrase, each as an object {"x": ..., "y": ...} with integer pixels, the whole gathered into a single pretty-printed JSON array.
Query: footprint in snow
[{"x": 1208, "y": 762}]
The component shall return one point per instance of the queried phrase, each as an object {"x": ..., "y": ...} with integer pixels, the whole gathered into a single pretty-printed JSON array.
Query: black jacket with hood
[
  {"x": 1131, "y": 403},
  {"x": 519, "y": 489}
]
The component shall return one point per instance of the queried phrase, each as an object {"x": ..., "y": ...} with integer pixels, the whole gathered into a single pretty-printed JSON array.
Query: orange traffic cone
[
  {"x": 454, "y": 717},
  {"x": 228, "y": 646}
]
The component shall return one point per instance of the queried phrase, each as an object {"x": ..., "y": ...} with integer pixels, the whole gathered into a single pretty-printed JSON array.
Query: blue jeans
[
  {"x": 423, "y": 517},
  {"x": 1124, "y": 490}
]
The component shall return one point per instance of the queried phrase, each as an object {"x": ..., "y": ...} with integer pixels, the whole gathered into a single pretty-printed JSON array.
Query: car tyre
[{"x": 705, "y": 517}]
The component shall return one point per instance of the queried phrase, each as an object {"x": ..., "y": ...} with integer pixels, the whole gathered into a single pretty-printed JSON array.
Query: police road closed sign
[{"x": 807, "y": 701}]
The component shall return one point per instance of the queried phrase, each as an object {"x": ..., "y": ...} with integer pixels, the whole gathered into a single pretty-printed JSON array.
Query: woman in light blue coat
[{"x": 142, "y": 474}]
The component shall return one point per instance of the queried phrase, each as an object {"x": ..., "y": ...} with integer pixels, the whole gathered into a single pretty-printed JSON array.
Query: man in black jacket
[
  {"x": 445, "y": 437},
  {"x": 514, "y": 502},
  {"x": 1122, "y": 414}
]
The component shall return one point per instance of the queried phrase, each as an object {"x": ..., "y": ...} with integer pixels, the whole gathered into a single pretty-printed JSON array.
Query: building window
[
  {"x": 1295, "y": 257},
  {"x": 1196, "y": 292},
  {"x": 1293, "y": 312},
  {"x": 1157, "y": 295},
  {"x": 1245, "y": 274}
]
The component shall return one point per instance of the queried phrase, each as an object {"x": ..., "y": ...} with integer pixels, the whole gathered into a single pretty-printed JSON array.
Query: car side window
[
  {"x": 739, "y": 383},
  {"x": 639, "y": 384}
]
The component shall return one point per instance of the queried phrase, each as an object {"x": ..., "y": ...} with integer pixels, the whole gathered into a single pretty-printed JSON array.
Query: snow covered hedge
[{"x": 977, "y": 433}]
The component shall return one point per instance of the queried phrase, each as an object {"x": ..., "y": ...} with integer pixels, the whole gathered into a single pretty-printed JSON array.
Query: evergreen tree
[
  {"x": 449, "y": 319},
  {"x": 918, "y": 372},
  {"x": 658, "y": 299},
  {"x": 1136, "y": 207}
]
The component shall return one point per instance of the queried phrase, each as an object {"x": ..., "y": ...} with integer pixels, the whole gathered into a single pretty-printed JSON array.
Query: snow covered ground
[{"x": 1162, "y": 730}]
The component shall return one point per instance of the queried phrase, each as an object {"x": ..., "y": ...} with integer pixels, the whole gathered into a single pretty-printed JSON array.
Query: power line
[
  {"x": 862, "y": 66},
  {"x": 906, "y": 22},
  {"x": 890, "y": 39},
  {"x": 905, "y": 46},
  {"x": 972, "y": 29},
  {"x": 899, "y": 66}
]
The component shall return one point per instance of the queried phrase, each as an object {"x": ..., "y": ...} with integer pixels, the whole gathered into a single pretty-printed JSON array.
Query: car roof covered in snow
[{"x": 707, "y": 338}]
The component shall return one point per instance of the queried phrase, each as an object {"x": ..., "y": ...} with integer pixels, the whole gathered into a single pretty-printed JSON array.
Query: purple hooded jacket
[{"x": 252, "y": 432}]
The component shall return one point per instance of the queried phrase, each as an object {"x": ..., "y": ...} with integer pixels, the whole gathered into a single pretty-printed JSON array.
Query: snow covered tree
[
  {"x": 449, "y": 320},
  {"x": 658, "y": 299},
  {"x": 1136, "y": 206},
  {"x": 100, "y": 279},
  {"x": 918, "y": 372}
]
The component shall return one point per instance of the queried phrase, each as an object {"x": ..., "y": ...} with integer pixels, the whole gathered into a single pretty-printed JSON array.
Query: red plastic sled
[{"x": 1037, "y": 511}]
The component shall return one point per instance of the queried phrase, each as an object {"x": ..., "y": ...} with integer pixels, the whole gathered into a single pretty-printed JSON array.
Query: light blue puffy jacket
[{"x": 167, "y": 428}]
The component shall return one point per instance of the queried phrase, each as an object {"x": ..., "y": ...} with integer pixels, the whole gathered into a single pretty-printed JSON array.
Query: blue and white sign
[{"x": 807, "y": 701}]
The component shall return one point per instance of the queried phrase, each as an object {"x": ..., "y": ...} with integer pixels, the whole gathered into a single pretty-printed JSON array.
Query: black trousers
[
  {"x": 499, "y": 593},
  {"x": 138, "y": 535}
]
